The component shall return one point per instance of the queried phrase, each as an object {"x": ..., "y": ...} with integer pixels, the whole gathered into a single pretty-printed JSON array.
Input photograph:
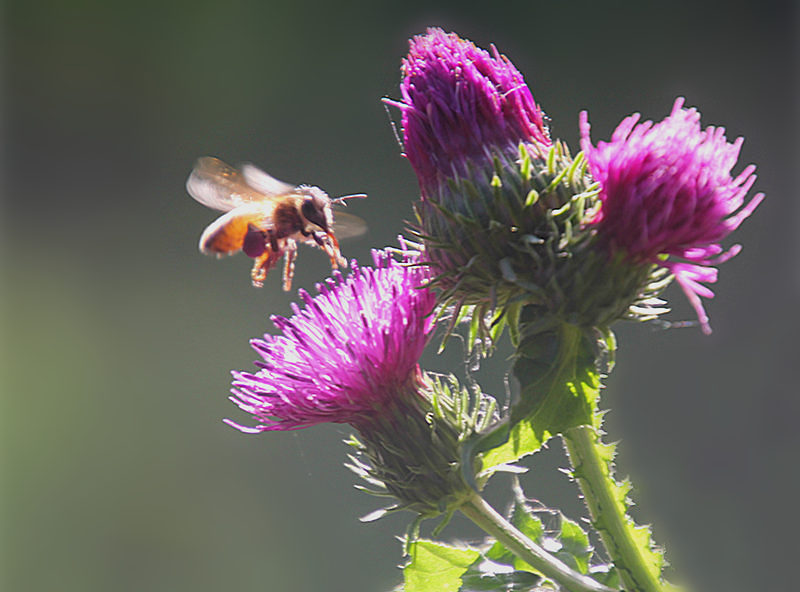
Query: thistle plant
[
  {"x": 351, "y": 356},
  {"x": 511, "y": 232}
]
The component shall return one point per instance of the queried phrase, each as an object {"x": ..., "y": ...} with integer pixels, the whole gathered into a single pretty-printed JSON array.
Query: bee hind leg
[
  {"x": 262, "y": 266},
  {"x": 288, "y": 264}
]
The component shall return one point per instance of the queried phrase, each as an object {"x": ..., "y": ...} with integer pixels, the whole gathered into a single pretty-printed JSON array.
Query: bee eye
[{"x": 314, "y": 214}]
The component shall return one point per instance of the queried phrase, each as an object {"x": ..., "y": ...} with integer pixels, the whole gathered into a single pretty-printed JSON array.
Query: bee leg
[
  {"x": 333, "y": 251},
  {"x": 316, "y": 238},
  {"x": 262, "y": 265},
  {"x": 288, "y": 264},
  {"x": 330, "y": 245},
  {"x": 273, "y": 241},
  {"x": 259, "y": 271}
]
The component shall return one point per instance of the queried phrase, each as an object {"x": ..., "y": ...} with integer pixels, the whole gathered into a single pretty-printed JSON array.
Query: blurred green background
[{"x": 117, "y": 471}]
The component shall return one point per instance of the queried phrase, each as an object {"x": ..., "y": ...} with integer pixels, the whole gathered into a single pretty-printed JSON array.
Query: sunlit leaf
[{"x": 436, "y": 567}]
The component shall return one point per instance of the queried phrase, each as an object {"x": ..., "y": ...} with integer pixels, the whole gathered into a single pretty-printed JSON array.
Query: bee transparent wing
[
  {"x": 347, "y": 225},
  {"x": 264, "y": 182},
  {"x": 220, "y": 186}
]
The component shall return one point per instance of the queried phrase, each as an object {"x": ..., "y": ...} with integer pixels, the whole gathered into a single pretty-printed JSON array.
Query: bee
[{"x": 266, "y": 218}]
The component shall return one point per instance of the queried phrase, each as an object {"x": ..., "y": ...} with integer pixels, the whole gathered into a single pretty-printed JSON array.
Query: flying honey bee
[{"x": 266, "y": 218}]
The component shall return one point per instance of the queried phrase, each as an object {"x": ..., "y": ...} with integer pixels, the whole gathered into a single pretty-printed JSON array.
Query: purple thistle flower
[
  {"x": 459, "y": 101},
  {"x": 667, "y": 190},
  {"x": 488, "y": 172},
  {"x": 344, "y": 356}
]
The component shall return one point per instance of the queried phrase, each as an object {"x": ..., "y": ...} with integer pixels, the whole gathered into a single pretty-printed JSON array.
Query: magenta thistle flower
[
  {"x": 490, "y": 177},
  {"x": 345, "y": 355},
  {"x": 458, "y": 101},
  {"x": 350, "y": 355},
  {"x": 667, "y": 190}
]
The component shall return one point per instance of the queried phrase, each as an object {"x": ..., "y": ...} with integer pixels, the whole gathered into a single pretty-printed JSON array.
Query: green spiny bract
[
  {"x": 514, "y": 233},
  {"x": 415, "y": 455}
]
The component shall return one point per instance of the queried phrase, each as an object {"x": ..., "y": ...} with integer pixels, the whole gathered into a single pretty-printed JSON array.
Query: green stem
[
  {"x": 482, "y": 514},
  {"x": 605, "y": 500}
]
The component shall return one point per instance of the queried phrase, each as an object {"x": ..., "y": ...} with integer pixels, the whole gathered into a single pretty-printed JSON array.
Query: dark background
[{"x": 118, "y": 473}]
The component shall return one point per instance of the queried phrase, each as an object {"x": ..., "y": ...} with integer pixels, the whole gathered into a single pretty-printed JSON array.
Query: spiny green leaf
[
  {"x": 559, "y": 383},
  {"x": 576, "y": 550},
  {"x": 502, "y": 581},
  {"x": 436, "y": 567},
  {"x": 523, "y": 439},
  {"x": 528, "y": 523},
  {"x": 609, "y": 575}
]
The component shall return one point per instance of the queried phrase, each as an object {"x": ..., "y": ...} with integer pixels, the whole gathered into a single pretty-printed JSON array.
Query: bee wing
[
  {"x": 347, "y": 225},
  {"x": 264, "y": 182},
  {"x": 220, "y": 186}
]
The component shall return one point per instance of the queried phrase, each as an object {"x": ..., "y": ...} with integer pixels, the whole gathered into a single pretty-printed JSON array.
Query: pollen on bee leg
[
  {"x": 258, "y": 274},
  {"x": 262, "y": 265},
  {"x": 288, "y": 264}
]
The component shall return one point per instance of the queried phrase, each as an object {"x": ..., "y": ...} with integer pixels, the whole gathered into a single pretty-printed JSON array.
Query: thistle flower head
[
  {"x": 345, "y": 355},
  {"x": 458, "y": 101},
  {"x": 351, "y": 356},
  {"x": 667, "y": 190}
]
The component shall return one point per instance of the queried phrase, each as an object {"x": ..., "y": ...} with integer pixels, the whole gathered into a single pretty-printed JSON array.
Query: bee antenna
[{"x": 341, "y": 200}]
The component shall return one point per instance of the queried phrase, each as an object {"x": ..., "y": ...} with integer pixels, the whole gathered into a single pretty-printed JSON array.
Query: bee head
[{"x": 316, "y": 207}]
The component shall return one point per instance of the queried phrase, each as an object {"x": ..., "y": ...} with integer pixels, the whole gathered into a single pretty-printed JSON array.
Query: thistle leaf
[{"x": 436, "y": 567}]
